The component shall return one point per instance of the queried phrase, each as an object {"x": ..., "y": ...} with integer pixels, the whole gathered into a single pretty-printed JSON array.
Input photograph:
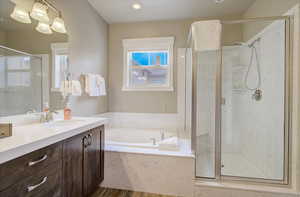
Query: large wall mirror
[{"x": 33, "y": 55}]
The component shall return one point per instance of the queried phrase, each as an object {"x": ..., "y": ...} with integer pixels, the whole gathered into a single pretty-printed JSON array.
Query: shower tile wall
[
  {"x": 20, "y": 85},
  {"x": 252, "y": 131}
]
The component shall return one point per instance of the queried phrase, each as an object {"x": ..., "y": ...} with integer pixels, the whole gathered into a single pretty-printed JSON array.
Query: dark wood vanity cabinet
[
  {"x": 71, "y": 168},
  {"x": 92, "y": 161},
  {"x": 83, "y": 164}
]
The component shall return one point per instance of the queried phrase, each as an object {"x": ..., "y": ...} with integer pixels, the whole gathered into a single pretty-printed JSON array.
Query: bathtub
[
  {"x": 142, "y": 152},
  {"x": 148, "y": 138}
]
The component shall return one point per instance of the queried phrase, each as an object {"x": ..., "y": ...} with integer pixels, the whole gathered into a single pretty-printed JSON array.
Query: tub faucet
[
  {"x": 153, "y": 141},
  {"x": 162, "y": 135}
]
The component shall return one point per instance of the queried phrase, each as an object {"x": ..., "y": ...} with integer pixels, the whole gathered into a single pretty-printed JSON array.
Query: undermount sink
[{"x": 61, "y": 123}]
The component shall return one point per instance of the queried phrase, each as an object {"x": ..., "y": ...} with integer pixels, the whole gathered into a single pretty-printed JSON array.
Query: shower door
[
  {"x": 242, "y": 97},
  {"x": 20, "y": 83},
  {"x": 253, "y": 118}
]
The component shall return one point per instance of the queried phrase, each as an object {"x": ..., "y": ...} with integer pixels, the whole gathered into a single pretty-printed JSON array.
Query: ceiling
[{"x": 118, "y": 11}]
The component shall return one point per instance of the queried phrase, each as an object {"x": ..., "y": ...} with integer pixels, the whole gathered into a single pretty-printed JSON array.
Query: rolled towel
[
  {"x": 171, "y": 143},
  {"x": 207, "y": 35}
]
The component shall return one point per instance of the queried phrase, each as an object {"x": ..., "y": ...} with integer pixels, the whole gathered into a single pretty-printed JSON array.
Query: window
[
  {"x": 60, "y": 64},
  {"x": 148, "y": 64}
]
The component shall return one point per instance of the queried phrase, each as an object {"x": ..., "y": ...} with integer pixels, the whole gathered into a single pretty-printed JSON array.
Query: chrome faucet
[{"x": 47, "y": 116}]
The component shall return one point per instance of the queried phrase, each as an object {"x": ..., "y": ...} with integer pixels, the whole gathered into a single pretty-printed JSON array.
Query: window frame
[
  {"x": 145, "y": 45},
  {"x": 8, "y": 70},
  {"x": 57, "y": 48}
]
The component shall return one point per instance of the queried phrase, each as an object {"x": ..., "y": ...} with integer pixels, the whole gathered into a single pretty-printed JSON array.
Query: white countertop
[{"x": 30, "y": 137}]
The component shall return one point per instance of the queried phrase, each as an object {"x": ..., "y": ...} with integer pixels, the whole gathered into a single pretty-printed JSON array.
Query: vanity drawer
[
  {"x": 32, "y": 163},
  {"x": 46, "y": 183}
]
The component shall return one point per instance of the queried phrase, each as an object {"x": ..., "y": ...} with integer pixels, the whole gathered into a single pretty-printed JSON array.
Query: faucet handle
[{"x": 43, "y": 118}]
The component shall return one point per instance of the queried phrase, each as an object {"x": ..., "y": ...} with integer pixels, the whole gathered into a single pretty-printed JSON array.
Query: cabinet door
[
  {"x": 91, "y": 162},
  {"x": 73, "y": 166}
]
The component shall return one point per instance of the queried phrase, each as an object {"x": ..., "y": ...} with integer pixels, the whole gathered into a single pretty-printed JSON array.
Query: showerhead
[{"x": 255, "y": 41}]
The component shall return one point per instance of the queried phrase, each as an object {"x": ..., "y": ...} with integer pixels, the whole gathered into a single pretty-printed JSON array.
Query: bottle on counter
[
  {"x": 67, "y": 112},
  {"x": 46, "y": 107}
]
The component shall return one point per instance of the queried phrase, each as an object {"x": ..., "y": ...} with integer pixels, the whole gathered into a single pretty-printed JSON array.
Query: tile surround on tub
[
  {"x": 142, "y": 120},
  {"x": 167, "y": 175}
]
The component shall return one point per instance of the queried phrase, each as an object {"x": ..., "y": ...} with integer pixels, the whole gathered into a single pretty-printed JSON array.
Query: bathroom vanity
[{"x": 73, "y": 166}]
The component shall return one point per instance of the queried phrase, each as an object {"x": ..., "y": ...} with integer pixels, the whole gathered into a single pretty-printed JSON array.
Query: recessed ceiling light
[
  {"x": 219, "y": 1},
  {"x": 136, "y": 6}
]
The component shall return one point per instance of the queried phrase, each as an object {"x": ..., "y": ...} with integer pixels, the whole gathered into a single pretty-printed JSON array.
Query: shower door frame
[{"x": 287, "y": 108}]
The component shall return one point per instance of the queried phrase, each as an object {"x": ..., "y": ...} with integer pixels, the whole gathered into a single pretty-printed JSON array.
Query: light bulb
[
  {"x": 44, "y": 28},
  {"x": 20, "y": 14},
  {"x": 59, "y": 25},
  {"x": 136, "y": 6},
  {"x": 39, "y": 12}
]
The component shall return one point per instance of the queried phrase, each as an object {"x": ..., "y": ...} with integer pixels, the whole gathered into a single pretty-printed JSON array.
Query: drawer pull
[
  {"x": 90, "y": 139},
  {"x": 85, "y": 141},
  {"x": 31, "y": 188},
  {"x": 32, "y": 163}
]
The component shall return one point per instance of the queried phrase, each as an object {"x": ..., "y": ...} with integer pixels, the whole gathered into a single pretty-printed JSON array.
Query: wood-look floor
[{"x": 106, "y": 192}]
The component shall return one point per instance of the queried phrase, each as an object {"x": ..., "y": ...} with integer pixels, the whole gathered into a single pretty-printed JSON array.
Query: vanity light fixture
[
  {"x": 44, "y": 28},
  {"x": 20, "y": 15},
  {"x": 39, "y": 12},
  {"x": 58, "y": 25},
  {"x": 136, "y": 6}
]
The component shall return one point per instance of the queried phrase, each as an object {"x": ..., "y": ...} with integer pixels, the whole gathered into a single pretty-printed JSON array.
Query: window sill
[
  {"x": 148, "y": 89},
  {"x": 55, "y": 89}
]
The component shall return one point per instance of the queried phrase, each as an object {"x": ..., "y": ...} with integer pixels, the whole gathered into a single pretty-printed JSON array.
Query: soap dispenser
[
  {"x": 46, "y": 107},
  {"x": 67, "y": 112}
]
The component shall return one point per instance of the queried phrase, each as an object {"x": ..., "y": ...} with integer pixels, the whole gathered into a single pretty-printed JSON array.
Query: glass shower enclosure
[
  {"x": 242, "y": 103},
  {"x": 20, "y": 82}
]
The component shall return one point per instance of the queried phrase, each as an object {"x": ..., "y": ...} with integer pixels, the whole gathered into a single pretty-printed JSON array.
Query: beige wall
[
  {"x": 88, "y": 50},
  {"x": 265, "y": 8},
  {"x": 149, "y": 102},
  {"x": 2, "y": 37},
  {"x": 87, "y": 33},
  {"x": 33, "y": 42}
]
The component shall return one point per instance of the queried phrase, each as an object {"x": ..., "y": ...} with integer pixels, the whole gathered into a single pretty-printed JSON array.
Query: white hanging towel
[
  {"x": 76, "y": 88},
  {"x": 101, "y": 85},
  {"x": 72, "y": 87},
  {"x": 207, "y": 35},
  {"x": 95, "y": 85}
]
